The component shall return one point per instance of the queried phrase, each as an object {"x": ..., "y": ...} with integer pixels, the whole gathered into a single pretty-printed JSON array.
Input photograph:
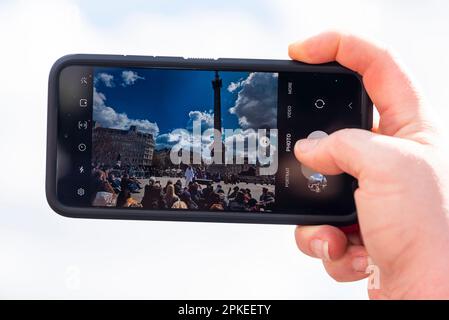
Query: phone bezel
[{"x": 184, "y": 63}]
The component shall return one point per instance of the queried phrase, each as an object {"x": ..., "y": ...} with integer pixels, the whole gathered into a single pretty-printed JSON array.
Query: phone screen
[{"x": 206, "y": 140}]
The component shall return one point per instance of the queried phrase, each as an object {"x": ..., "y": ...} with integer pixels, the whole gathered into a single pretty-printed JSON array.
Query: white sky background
[{"x": 43, "y": 255}]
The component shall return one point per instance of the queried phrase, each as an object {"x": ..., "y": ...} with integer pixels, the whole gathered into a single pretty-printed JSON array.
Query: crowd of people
[
  {"x": 113, "y": 191},
  {"x": 200, "y": 172},
  {"x": 194, "y": 196}
]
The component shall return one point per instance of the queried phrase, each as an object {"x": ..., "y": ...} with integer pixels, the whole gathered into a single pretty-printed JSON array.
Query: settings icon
[{"x": 81, "y": 192}]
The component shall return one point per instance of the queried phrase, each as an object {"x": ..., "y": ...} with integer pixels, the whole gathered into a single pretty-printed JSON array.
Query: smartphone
[{"x": 173, "y": 138}]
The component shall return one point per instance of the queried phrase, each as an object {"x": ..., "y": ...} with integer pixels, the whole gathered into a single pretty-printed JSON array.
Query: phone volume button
[{"x": 204, "y": 59}]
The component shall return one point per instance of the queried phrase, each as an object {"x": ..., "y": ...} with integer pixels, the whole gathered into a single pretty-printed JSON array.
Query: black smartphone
[{"x": 172, "y": 138}]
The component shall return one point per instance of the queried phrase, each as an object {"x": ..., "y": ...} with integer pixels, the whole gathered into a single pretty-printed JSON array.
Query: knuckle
[
  {"x": 388, "y": 53},
  {"x": 341, "y": 139},
  {"x": 404, "y": 158},
  {"x": 398, "y": 161}
]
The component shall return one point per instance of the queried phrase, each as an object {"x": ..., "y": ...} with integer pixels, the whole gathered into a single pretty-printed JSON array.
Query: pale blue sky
[{"x": 106, "y": 13}]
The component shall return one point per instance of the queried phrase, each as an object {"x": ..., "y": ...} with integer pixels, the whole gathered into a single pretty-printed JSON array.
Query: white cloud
[
  {"x": 183, "y": 136},
  {"x": 167, "y": 140},
  {"x": 256, "y": 104},
  {"x": 130, "y": 77},
  {"x": 106, "y": 78},
  {"x": 235, "y": 85},
  {"x": 109, "y": 118},
  {"x": 206, "y": 118}
]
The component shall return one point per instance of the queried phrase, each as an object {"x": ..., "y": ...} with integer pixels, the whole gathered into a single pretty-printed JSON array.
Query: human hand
[{"x": 403, "y": 195}]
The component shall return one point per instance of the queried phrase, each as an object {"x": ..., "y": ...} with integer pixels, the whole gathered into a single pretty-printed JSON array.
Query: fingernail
[
  {"x": 320, "y": 249},
  {"x": 306, "y": 145},
  {"x": 359, "y": 264}
]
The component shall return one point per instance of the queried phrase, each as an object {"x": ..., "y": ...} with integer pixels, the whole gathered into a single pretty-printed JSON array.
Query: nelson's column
[{"x": 218, "y": 150}]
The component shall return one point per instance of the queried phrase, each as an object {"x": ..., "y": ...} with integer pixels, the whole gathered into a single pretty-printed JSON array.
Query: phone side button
[{"x": 169, "y": 58}]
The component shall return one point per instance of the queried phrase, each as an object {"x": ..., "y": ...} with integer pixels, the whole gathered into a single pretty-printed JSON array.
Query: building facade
[{"x": 127, "y": 148}]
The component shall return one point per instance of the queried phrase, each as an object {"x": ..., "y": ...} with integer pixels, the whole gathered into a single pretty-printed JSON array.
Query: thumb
[{"x": 353, "y": 151}]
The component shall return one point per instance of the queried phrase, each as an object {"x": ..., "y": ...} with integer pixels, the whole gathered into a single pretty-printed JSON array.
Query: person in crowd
[
  {"x": 216, "y": 203},
  {"x": 129, "y": 183},
  {"x": 104, "y": 194},
  {"x": 216, "y": 207},
  {"x": 247, "y": 194},
  {"x": 189, "y": 174},
  {"x": 218, "y": 188},
  {"x": 115, "y": 182},
  {"x": 222, "y": 197},
  {"x": 125, "y": 200},
  {"x": 125, "y": 182},
  {"x": 264, "y": 193},
  {"x": 238, "y": 203},
  {"x": 234, "y": 192},
  {"x": 195, "y": 191},
  {"x": 267, "y": 199},
  {"x": 178, "y": 204},
  {"x": 170, "y": 196},
  {"x": 100, "y": 181},
  {"x": 253, "y": 205},
  {"x": 135, "y": 184},
  {"x": 208, "y": 190},
  {"x": 153, "y": 197},
  {"x": 178, "y": 187},
  {"x": 187, "y": 199},
  {"x": 169, "y": 182},
  {"x": 151, "y": 181}
]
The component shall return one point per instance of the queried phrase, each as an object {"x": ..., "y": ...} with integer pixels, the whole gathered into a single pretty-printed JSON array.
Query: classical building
[{"x": 129, "y": 148}]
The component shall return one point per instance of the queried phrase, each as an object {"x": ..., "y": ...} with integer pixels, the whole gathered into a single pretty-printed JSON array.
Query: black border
[
  {"x": 186, "y": 63},
  {"x": 169, "y": 309}
]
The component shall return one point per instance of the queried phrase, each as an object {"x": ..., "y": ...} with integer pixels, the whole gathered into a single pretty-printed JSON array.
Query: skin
[{"x": 403, "y": 172}]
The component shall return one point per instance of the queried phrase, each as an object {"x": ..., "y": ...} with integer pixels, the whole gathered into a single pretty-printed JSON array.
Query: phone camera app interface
[{"x": 207, "y": 140}]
